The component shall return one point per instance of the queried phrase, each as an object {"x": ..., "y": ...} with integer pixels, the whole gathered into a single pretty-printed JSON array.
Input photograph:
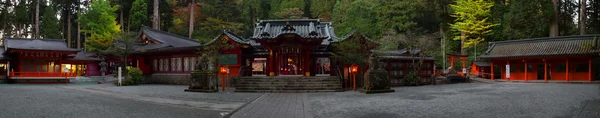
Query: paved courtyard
[
  {"x": 459, "y": 100},
  {"x": 453, "y": 100}
]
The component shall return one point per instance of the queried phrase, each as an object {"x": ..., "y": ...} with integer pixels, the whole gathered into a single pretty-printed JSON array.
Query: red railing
[{"x": 42, "y": 74}]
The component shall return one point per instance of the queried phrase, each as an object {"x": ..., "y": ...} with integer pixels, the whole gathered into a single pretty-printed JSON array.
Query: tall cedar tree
[
  {"x": 49, "y": 25},
  {"x": 100, "y": 22}
]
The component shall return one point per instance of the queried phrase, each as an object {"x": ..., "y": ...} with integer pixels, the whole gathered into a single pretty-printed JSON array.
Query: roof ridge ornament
[
  {"x": 312, "y": 29},
  {"x": 265, "y": 31},
  {"x": 288, "y": 27}
]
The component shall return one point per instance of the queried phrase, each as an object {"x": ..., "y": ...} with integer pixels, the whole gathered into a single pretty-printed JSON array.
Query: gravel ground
[
  {"x": 176, "y": 92},
  {"x": 459, "y": 100},
  {"x": 55, "y": 101}
]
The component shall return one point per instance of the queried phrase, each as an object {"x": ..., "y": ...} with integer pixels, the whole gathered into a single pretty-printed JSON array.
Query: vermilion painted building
[
  {"x": 40, "y": 60},
  {"x": 567, "y": 58}
]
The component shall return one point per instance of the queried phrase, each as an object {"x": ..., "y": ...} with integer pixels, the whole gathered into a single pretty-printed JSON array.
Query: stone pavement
[
  {"x": 591, "y": 109},
  {"x": 276, "y": 105}
]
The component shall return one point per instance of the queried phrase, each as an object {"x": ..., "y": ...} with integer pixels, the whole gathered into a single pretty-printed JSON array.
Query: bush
[
  {"x": 411, "y": 79},
  {"x": 134, "y": 77}
]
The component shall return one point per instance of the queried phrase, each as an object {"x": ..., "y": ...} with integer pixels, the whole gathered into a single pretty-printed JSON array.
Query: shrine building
[{"x": 549, "y": 59}]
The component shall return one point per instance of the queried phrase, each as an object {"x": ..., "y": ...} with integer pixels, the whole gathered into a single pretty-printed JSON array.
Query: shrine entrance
[{"x": 291, "y": 61}]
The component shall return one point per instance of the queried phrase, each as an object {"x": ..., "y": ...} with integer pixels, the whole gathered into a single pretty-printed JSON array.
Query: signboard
[
  {"x": 225, "y": 59},
  {"x": 464, "y": 71},
  {"x": 119, "y": 76},
  {"x": 507, "y": 71}
]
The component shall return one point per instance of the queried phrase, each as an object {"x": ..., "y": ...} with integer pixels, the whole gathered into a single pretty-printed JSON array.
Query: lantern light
[
  {"x": 354, "y": 68},
  {"x": 222, "y": 69}
]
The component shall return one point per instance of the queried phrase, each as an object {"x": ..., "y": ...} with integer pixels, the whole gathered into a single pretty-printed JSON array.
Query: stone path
[
  {"x": 590, "y": 110},
  {"x": 276, "y": 105}
]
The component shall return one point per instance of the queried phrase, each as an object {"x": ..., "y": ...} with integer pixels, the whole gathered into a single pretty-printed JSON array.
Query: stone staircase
[{"x": 288, "y": 84}]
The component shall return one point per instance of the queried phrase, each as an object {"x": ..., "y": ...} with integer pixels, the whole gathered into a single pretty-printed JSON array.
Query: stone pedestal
[
  {"x": 376, "y": 78},
  {"x": 203, "y": 82}
]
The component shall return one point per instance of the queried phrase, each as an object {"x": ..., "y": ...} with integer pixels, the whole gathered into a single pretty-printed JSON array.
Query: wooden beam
[
  {"x": 590, "y": 70},
  {"x": 567, "y": 71},
  {"x": 545, "y": 70},
  {"x": 492, "y": 69},
  {"x": 526, "y": 71}
]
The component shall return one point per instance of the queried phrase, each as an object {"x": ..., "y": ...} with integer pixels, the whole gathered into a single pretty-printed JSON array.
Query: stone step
[
  {"x": 286, "y": 82},
  {"x": 286, "y": 86},
  {"x": 289, "y": 91}
]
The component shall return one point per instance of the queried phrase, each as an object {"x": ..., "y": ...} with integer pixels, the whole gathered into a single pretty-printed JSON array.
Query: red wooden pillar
[
  {"x": 526, "y": 71},
  {"x": 590, "y": 70},
  {"x": 451, "y": 61},
  {"x": 307, "y": 62},
  {"x": 270, "y": 63},
  {"x": 567, "y": 71},
  {"x": 492, "y": 69},
  {"x": 545, "y": 71},
  {"x": 276, "y": 61}
]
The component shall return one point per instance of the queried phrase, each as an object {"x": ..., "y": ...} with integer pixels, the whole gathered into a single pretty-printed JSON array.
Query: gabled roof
[
  {"x": 37, "y": 44},
  {"x": 548, "y": 46},
  {"x": 231, "y": 35},
  {"x": 305, "y": 28},
  {"x": 354, "y": 33},
  {"x": 84, "y": 56},
  {"x": 172, "y": 40},
  {"x": 481, "y": 63}
]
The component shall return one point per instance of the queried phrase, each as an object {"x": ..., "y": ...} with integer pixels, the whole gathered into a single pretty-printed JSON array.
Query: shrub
[
  {"x": 411, "y": 79},
  {"x": 134, "y": 77}
]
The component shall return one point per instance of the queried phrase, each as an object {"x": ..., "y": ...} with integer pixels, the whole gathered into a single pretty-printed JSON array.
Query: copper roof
[
  {"x": 37, "y": 44},
  {"x": 548, "y": 46}
]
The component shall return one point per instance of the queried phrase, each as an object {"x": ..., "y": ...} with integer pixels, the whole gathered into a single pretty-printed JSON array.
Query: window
[
  {"x": 192, "y": 63},
  {"x": 561, "y": 68},
  {"x": 581, "y": 68},
  {"x": 397, "y": 65},
  {"x": 154, "y": 65},
  {"x": 178, "y": 64},
  {"x": 522, "y": 68},
  {"x": 186, "y": 64},
  {"x": 513, "y": 68},
  {"x": 396, "y": 73}
]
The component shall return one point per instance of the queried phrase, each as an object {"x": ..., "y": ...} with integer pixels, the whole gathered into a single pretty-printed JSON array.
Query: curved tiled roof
[
  {"x": 172, "y": 40},
  {"x": 548, "y": 46},
  {"x": 37, "y": 44},
  {"x": 305, "y": 28}
]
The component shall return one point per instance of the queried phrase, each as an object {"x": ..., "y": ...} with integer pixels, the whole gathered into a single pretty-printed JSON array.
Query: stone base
[
  {"x": 202, "y": 90},
  {"x": 376, "y": 91}
]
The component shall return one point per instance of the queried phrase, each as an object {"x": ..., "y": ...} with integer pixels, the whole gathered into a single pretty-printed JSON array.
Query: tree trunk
[
  {"x": 155, "y": 17},
  {"x": 121, "y": 18},
  {"x": 191, "y": 27},
  {"x": 78, "y": 29},
  {"x": 37, "y": 19},
  {"x": 69, "y": 28},
  {"x": 463, "y": 51},
  {"x": 443, "y": 45},
  {"x": 582, "y": 15},
  {"x": 554, "y": 23}
]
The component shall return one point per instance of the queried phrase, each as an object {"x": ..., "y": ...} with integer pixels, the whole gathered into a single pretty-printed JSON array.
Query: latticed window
[
  {"x": 186, "y": 62},
  {"x": 154, "y": 65},
  {"x": 192, "y": 63}
]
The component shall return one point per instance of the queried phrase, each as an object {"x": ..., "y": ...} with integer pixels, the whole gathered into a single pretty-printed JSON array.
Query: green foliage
[
  {"x": 356, "y": 16},
  {"x": 528, "y": 19},
  {"x": 411, "y": 79},
  {"x": 399, "y": 15},
  {"x": 99, "y": 21},
  {"x": 284, "y": 5},
  {"x": 289, "y": 13},
  {"x": 322, "y": 9},
  {"x": 354, "y": 50},
  {"x": 139, "y": 15},
  {"x": 134, "y": 77},
  {"x": 49, "y": 27},
  {"x": 472, "y": 19}
]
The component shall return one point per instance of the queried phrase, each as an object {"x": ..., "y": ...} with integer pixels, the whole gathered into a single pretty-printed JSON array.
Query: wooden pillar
[
  {"x": 526, "y": 71},
  {"x": 567, "y": 71},
  {"x": 545, "y": 71},
  {"x": 590, "y": 70},
  {"x": 270, "y": 63},
  {"x": 492, "y": 70},
  {"x": 277, "y": 62},
  {"x": 451, "y": 61},
  {"x": 307, "y": 63}
]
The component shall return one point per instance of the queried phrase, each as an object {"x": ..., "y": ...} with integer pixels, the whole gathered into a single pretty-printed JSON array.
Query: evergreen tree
[
  {"x": 471, "y": 21},
  {"x": 359, "y": 16},
  {"x": 138, "y": 15},
  {"x": 528, "y": 19},
  {"x": 49, "y": 26},
  {"x": 322, "y": 9},
  {"x": 100, "y": 22}
]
